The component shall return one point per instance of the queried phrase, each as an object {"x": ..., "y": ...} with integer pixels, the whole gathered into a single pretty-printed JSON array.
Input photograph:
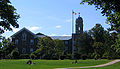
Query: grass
[
  {"x": 47, "y": 64},
  {"x": 114, "y": 66}
]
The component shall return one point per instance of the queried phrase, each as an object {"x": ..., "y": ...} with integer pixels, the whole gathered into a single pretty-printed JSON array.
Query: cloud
[
  {"x": 58, "y": 26},
  {"x": 68, "y": 21},
  {"x": 34, "y": 28},
  {"x": 15, "y": 30},
  {"x": 52, "y": 35},
  {"x": 65, "y": 35}
]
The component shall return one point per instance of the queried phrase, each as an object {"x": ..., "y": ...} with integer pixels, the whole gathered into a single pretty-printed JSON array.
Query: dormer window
[{"x": 24, "y": 36}]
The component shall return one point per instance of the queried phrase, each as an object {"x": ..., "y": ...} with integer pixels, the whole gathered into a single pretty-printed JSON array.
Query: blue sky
[{"x": 53, "y": 17}]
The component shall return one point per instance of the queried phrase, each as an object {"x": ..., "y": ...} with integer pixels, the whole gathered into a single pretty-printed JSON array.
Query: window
[
  {"x": 79, "y": 28},
  {"x": 16, "y": 41},
  {"x": 66, "y": 48},
  {"x": 24, "y": 36},
  {"x": 31, "y": 41},
  {"x": 66, "y": 42},
  {"x": 31, "y": 50},
  {"x": 23, "y": 50}
]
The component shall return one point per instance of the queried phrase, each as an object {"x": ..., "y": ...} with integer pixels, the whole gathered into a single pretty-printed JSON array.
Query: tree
[
  {"x": 99, "y": 36},
  {"x": 109, "y": 8},
  {"x": 46, "y": 44},
  {"x": 59, "y": 48},
  {"x": 8, "y": 16},
  {"x": 15, "y": 54},
  {"x": 84, "y": 45},
  {"x": 6, "y": 48},
  {"x": 97, "y": 32},
  {"x": 98, "y": 50}
]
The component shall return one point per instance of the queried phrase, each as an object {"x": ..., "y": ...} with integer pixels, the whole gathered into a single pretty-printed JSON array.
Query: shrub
[
  {"x": 62, "y": 57},
  {"x": 15, "y": 54},
  {"x": 33, "y": 56},
  {"x": 84, "y": 57},
  {"x": 24, "y": 56},
  {"x": 68, "y": 56}
]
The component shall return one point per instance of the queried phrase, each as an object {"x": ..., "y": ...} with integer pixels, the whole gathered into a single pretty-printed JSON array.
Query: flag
[{"x": 74, "y": 13}]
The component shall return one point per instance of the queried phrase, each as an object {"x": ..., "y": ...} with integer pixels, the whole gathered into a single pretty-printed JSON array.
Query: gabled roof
[
  {"x": 61, "y": 37},
  {"x": 40, "y": 35},
  {"x": 23, "y": 30}
]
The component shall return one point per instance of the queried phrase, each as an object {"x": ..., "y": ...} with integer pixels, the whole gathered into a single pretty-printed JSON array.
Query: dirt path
[{"x": 109, "y": 63}]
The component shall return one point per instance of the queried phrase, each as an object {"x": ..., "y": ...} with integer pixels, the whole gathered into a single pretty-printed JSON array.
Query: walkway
[{"x": 109, "y": 63}]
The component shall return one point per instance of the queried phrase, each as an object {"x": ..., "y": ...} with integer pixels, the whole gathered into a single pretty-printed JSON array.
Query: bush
[
  {"x": 33, "y": 56},
  {"x": 68, "y": 56},
  {"x": 62, "y": 57},
  {"x": 15, "y": 54},
  {"x": 24, "y": 56},
  {"x": 77, "y": 56},
  {"x": 84, "y": 57}
]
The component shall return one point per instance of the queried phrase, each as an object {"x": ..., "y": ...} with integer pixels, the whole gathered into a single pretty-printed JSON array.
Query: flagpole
[{"x": 72, "y": 35}]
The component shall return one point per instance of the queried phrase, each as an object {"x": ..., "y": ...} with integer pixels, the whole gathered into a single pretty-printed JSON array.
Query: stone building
[{"x": 26, "y": 41}]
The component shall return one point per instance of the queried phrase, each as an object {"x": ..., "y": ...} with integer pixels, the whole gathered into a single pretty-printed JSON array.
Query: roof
[
  {"x": 40, "y": 35},
  {"x": 23, "y": 30},
  {"x": 61, "y": 37}
]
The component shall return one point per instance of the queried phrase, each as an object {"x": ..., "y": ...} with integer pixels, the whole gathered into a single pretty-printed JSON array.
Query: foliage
[
  {"x": 7, "y": 47},
  {"x": 46, "y": 46},
  {"x": 98, "y": 50},
  {"x": 37, "y": 54},
  {"x": 32, "y": 56},
  {"x": 84, "y": 57},
  {"x": 58, "y": 48},
  {"x": 97, "y": 32},
  {"x": 84, "y": 44},
  {"x": 8, "y": 16},
  {"x": 24, "y": 56},
  {"x": 110, "y": 8},
  {"x": 15, "y": 54}
]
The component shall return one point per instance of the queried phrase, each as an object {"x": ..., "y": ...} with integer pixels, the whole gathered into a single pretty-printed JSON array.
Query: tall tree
[
  {"x": 8, "y": 16},
  {"x": 59, "y": 48},
  {"x": 46, "y": 46},
  {"x": 84, "y": 45},
  {"x": 109, "y": 8},
  {"x": 7, "y": 48},
  {"x": 99, "y": 36},
  {"x": 97, "y": 32}
]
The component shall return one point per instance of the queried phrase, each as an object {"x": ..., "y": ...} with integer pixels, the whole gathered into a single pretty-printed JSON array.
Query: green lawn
[
  {"x": 114, "y": 66},
  {"x": 47, "y": 64}
]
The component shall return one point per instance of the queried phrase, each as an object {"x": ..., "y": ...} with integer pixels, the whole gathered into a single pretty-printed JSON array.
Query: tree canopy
[
  {"x": 109, "y": 8},
  {"x": 8, "y": 16}
]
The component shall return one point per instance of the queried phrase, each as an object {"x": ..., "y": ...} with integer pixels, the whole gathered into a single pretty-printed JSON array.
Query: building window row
[{"x": 31, "y": 41}]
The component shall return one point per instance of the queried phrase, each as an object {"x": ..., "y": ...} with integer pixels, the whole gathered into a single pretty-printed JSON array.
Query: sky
[{"x": 54, "y": 17}]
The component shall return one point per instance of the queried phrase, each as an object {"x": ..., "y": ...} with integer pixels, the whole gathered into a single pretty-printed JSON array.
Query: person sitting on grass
[
  {"x": 30, "y": 62},
  {"x": 76, "y": 62}
]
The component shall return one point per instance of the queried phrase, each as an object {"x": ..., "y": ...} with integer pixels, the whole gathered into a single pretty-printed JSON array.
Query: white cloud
[
  {"x": 65, "y": 35},
  {"x": 15, "y": 30},
  {"x": 68, "y": 21},
  {"x": 58, "y": 26},
  {"x": 34, "y": 28},
  {"x": 52, "y": 35}
]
